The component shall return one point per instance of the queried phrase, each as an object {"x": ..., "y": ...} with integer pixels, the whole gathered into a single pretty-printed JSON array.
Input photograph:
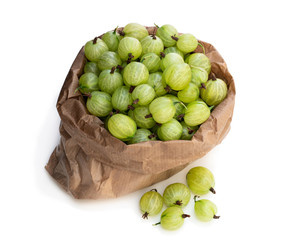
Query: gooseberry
[
  {"x": 99, "y": 103},
  {"x": 205, "y": 210},
  {"x": 109, "y": 81},
  {"x": 162, "y": 109},
  {"x": 129, "y": 49},
  {"x": 165, "y": 33},
  {"x": 94, "y": 48},
  {"x": 171, "y": 130},
  {"x": 176, "y": 194},
  {"x": 196, "y": 113},
  {"x": 135, "y": 73}
]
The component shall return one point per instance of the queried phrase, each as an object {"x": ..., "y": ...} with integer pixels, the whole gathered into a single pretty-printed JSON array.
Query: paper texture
[{"x": 89, "y": 163}]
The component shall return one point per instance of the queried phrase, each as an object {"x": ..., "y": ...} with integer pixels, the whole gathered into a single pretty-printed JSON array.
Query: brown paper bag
[{"x": 89, "y": 163}]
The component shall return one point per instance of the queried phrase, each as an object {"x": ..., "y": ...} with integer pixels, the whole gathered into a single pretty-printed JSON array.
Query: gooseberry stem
[
  {"x": 185, "y": 215},
  {"x": 199, "y": 44},
  {"x": 216, "y": 217},
  {"x": 115, "y": 30},
  {"x": 145, "y": 215},
  {"x": 148, "y": 115},
  {"x": 121, "y": 33},
  {"x": 162, "y": 54},
  {"x": 175, "y": 38},
  {"x": 167, "y": 88},
  {"x": 136, "y": 101},
  {"x": 130, "y": 107},
  {"x": 119, "y": 67},
  {"x": 95, "y": 40},
  {"x": 150, "y": 137},
  {"x": 213, "y": 190},
  {"x": 178, "y": 202},
  {"x": 190, "y": 131},
  {"x": 154, "y": 189},
  {"x": 80, "y": 87},
  {"x": 156, "y": 25},
  {"x": 131, "y": 89},
  {"x": 214, "y": 77},
  {"x": 203, "y": 86},
  {"x": 180, "y": 116},
  {"x": 194, "y": 198},
  {"x": 211, "y": 107},
  {"x": 112, "y": 70},
  {"x": 156, "y": 224}
]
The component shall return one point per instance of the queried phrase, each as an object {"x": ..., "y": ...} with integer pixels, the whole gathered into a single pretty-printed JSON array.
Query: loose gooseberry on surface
[
  {"x": 176, "y": 194},
  {"x": 109, "y": 81},
  {"x": 99, "y": 103},
  {"x": 197, "y": 112},
  {"x": 151, "y": 202},
  {"x": 129, "y": 49},
  {"x": 88, "y": 82},
  {"x": 205, "y": 210},
  {"x": 142, "y": 135},
  {"x": 162, "y": 109},
  {"x": 165, "y": 33},
  {"x": 200, "y": 180},
  {"x": 214, "y": 91},
  {"x": 171, "y": 130},
  {"x": 94, "y": 48},
  {"x": 172, "y": 218},
  {"x": 122, "y": 126},
  {"x": 135, "y": 73}
]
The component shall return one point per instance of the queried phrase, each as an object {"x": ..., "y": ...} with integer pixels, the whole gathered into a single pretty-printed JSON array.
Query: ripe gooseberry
[
  {"x": 165, "y": 32},
  {"x": 99, "y": 104},
  {"x": 176, "y": 194},
  {"x": 142, "y": 135},
  {"x": 162, "y": 109},
  {"x": 109, "y": 81},
  {"x": 172, "y": 218},
  {"x": 88, "y": 82},
  {"x": 94, "y": 48},
  {"x": 171, "y": 130},
  {"x": 205, "y": 210},
  {"x": 151, "y": 202},
  {"x": 200, "y": 180}
]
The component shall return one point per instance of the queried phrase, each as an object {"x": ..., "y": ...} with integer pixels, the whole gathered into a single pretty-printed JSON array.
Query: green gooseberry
[
  {"x": 122, "y": 127},
  {"x": 135, "y": 73},
  {"x": 172, "y": 218},
  {"x": 173, "y": 50},
  {"x": 188, "y": 132},
  {"x": 177, "y": 76},
  {"x": 200, "y": 180},
  {"x": 176, "y": 194},
  {"x": 91, "y": 67},
  {"x": 180, "y": 107},
  {"x": 151, "y": 61},
  {"x": 143, "y": 117},
  {"x": 94, "y": 48},
  {"x": 143, "y": 94},
  {"x": 214, "y": 91},
  {"x": 199, "y": 76},
  {"x": 110, "y": 80},
  {"x": 165, "y": 33},
  {"x": 88, "y": 82},
  {"x": 205, "y": 210},
  {"x": 197, "y": 112},
  {"x": 155, "y": 81},
  {"x": 111, "y": 38},
  {"x": 152, "y": 44},
  {"x": 171, "y": 130},
  {"x": 169, "y": 59},
  {"x": 99, "y": 104},
  {"x": 134, "y": 30},
  {"x": 129, "y": 49},
  {"x": 108, "y": 59},
  {"x": 162, "y": 109},
  {"x": 186, "y": 42},
  {"x": 199, "y": 60},
  {"x": 151, "y": 202},
  {"x": 122, "y": 99},
  {"x": 142, "y": 135},
  {"x": 189, "y": 94}
]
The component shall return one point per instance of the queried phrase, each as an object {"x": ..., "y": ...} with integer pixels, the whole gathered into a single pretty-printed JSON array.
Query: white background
[{"x": 254, "y": 166}]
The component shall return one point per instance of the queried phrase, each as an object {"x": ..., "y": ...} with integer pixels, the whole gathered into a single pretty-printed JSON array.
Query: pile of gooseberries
[
  {"x": 149, "y": 87},
  {"x": 176, "y": 196}
]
